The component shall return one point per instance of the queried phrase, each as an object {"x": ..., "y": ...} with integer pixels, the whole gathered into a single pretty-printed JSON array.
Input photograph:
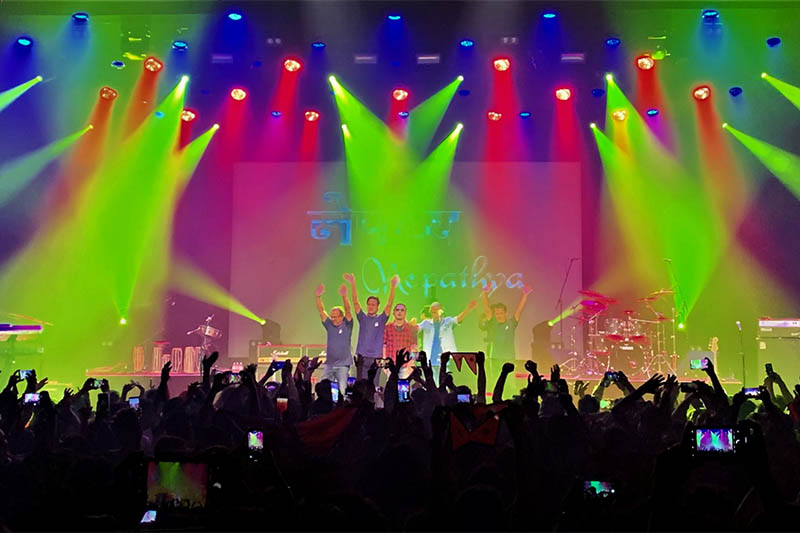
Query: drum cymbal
[
  {"x": 597, "y": 296},
  {"x": 647, "y": 299},
  {"x": 662, "y": 318},
  {"x": 662, "y": 292},
  {"x": 593, "y": 305}
]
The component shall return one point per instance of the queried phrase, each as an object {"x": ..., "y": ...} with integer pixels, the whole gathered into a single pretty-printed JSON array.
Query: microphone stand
[
  {"x": 560, "y": 303},
  {"x": 741, "y": 354}
]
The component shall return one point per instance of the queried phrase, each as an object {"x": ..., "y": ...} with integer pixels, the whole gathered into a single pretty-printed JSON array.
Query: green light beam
[
  {"x": 424, "y": 120},
  {"x": 791, "y": 92},
  {"x": 7, "y": 97},
  {"x": 784, "y": 165}
]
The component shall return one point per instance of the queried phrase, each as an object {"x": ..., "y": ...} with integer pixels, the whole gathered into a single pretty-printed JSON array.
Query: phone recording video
[
  {"x": 97, "y": 383},
  {"x": 335, "y": 392},
  {"x": 551, "y": 386},
  {"x": 23, "y": 374},
  {"x": 133, "y": 403},
  {"x": 698, "y": 364},
  {"x": 714, "y": 441},
  {"x": 752, "y": 392},
  {"x": 31, "y": 398},
  {"x": 688, "y": 387},
  {"x": 351, "y": 381},
  {"x": 403, "y": 391},
  {"x": 278, "y": 365},
  {"x": 173, "y": 484},
  {"x": 255, "y": 440},
  {"x": 610, "y": 376},
  {"x": 463, "y": 398},
  {"x": 598, "y": 490},
  {"x": 149, "y": 517},
  {"x": 234, "y": 378}
]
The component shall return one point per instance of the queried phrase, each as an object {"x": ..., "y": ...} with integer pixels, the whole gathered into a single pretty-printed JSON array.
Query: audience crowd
[{"x": 448, "y": 459}]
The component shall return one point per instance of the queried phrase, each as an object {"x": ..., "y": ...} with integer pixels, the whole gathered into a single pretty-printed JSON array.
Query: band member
[
  {"x": 500, "y": 328},
  {"x": 371, "y": 324},
  {"x": 437, "y": 331},
  {"x": 339, "y": 326},
  {"x": 399, "y": 334}
]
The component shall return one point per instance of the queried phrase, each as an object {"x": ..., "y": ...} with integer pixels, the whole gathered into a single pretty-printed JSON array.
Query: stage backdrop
[{"x": 509, "y": 224}]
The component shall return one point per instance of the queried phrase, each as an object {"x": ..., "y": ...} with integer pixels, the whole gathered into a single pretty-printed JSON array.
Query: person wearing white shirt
[{"x": 437, "y": 331}]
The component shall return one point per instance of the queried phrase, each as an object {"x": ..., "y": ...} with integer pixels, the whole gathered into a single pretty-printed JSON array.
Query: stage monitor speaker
[{"x": 784, "y": 354}]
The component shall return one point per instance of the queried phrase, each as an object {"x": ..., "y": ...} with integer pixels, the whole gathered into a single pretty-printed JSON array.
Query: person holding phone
[
  {"x": 339, "y": 328},
  {"x": 372, "y": 324}
]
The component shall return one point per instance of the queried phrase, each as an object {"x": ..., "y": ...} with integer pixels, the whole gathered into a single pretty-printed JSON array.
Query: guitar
[{"x": 713, "y": 347}]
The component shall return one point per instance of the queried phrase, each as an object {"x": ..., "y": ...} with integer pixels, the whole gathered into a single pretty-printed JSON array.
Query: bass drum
[{"x": 628, "y": 357}]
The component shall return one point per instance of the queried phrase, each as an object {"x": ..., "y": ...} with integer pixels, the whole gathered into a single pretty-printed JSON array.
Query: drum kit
[{"x": 639, "y": 341}]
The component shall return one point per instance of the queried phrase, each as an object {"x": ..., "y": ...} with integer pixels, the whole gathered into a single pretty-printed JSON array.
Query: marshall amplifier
[
  {"x": 780, "y": 328},
  {"x": 266, "y": 352},
  {"x": 316, "y": 350}
]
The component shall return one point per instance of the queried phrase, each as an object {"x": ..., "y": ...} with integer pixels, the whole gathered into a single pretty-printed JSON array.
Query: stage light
[
  {"x": 613, "y": 42},
  {"x": 235, "y": 15},
  {"x": 735, "y": 91},
  {"x": 107, "y": 93},
  {"x": 80, "y": 17},
  {"x": 724, "y": 125},
  {"x": 25, "y": 41},
  {"x": 311, "y": 115},
  {"x": 763, "y": 75},
  {"x": 90, "y": 126},
  {"x": 619, "y": 115},
  {"x": 159, "y": 114},
  {"x": 548, "y": 15},
  {"x": 345, "y": 130},
  {"x": 118, "y": 64},
  {"x": 180, "y": 46},
  {"x": 467, "y": 43},
  {"x": 609, "y": 77},
  {"x": 215, "y": 126},
  {"x": 292, "y": 65},
  {"x": 459, "y": 127},
  {"x": 318, "y": 44},
  {"x": 460, "y": 78},
  {"x": 681, "y": 325},
  {"x": 494, "y": 116},
  {"x": 403, "y": 114},
  {"x": 188, "y": 115},
  {"x": 276, "y": 114},
  {"x": 502, "y": 64},
  {"x": 525, "y": 114},
  {"x": 710, "y": 15},
  {"x": 238, "y": 94},
  {"x": 394, "y": 17},
  {"x": 772, "y": 42},
  {"x": 652, "y": 112},
  {"x": 563, "y": 94},
  {"x": 645, "y": 62},
  {"x": 122, "y": 321},
  {"x": 592, "y": 125},
  {"x": 185, "y": 79},
  {"x": 152, "y": 64},
  {"x": 262, "y": 321},
  {"x": 702, "y": 92},
  {"x": 399, "y": 94},
  {"x": 598, "y": 93}
]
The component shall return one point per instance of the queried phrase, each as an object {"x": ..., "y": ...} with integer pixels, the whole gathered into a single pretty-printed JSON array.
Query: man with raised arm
[
  {"x": 500, "y": 328},
  {"x": 372, "y": 324},
  {"x": 437, "y": 331},
  {"x": 339, "y": 326}
]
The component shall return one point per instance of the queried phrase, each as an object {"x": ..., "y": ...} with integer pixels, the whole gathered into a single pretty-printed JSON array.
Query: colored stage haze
[{"x": 782, "y": 164}]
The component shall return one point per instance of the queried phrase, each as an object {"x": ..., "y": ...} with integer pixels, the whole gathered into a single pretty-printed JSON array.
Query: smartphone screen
[
  {"x": 23, "y": 374},
  {"x": 279, "y": 364},
  {"x": 97, "y": 383},
  {"x": 351, "y": 381},
  {"x": 463, "y": 398},
  {"x": 610, "y": 376},
  {"x": 133, "y": 403},
  {"x": 335, "y": 391},
  {"x": 149, "y": 517},
  {"x": 714, "y": 440},
  {"x": 235, "y": 378},
  {"x": 403, "y": 391},
  {"x": 550, "y": 386},
  {"x": 752, "y": 392},
  {"x": 31, "y": 398},
  {"x": 255, "y": 440},
  {"x": 598, "y": 489},
  {"x": 698, "y": 364}
]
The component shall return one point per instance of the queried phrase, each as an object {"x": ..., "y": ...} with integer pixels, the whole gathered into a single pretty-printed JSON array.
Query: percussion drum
[{"x": 208, "y": 331}]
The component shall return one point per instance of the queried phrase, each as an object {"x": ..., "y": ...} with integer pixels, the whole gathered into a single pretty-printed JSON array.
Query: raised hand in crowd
[
  {"x": 480, "y": 394},
  {"x": 719, "y": 392},
  {"x": 497, "y": 393}
]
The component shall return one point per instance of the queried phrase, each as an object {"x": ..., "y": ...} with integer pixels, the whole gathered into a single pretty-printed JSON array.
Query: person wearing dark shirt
[
  {"x": 501, "y": 328},
  {"x": 339, "y": 327}
]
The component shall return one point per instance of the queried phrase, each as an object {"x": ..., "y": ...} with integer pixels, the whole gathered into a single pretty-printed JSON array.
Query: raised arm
[
  {"x": 526, "y": 290},
  {"x": 351, "y": 279},
  {"x": 323, "y": 315},
  {"x": 470, "y": 306},
  {"x": 487, "y": 311},
  {"x": 348, "y": 313},
  {"x": 390, "y": 302}
]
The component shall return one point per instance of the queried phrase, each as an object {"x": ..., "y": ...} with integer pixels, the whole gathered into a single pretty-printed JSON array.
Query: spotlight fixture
[
  {"x": 235, "y": 16},
  {"x": 403, "y": 114},
  {"x": 609, "y": 77},
  {"x": 724, "y": 125},
  {"x": 645, "y": 62},
  {"x": 764, "y": 75},
  {"x": 613, "y": 42},
  {"x": 702, "y": 92},
  {"x": 548, "y": 15},
  {"x": 525, "y": 114},
  {"x": 117, "y": 64},
  {"x": 24, "y": 40},
  {"x": 467, "y": 43},
  {"x": 238, "y": 94},
  {"x": 318, "y": 44},
  {"x": 215, "y": 126},
  {"x": 122, "y": 321},
  {"x": 494, "y": 116},
  {"x": 80, "y": 17},
  {"x": 107, "y": 93},
  {"x": 772, "y": 42},
  {"x": 399, "y": 94},
  {"x": 311, "y": 115},
  {"x": 152, "y": 64},
  {"x": 180, "y": 46},
  {"x": 563, "y": 94},
  {"x": 681, "y": 325},
  {"x": 292, "y": 65},
  {"x": 598, "y": 93},
  {"x": 502, "y": 64},
  {"x": 652, "y": 112},
  {"x": 188, "y": 115},
  {"x": 619, "y": 115},
  {"x": 710, "y": 16},
  {"x": 735, "y": 91},
  {"x": 460, "y": 77},
  {"x": 394, "y": 17},
  {"x": 593, "y": 125},
  {"x": 276, "y": 114}
]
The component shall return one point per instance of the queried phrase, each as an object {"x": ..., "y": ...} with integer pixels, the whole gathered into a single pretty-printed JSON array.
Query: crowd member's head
[
  {"x": 500, "y": 312},
  {"x": 372, "y": 305},
  {"x": 337, "y": 315}
]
